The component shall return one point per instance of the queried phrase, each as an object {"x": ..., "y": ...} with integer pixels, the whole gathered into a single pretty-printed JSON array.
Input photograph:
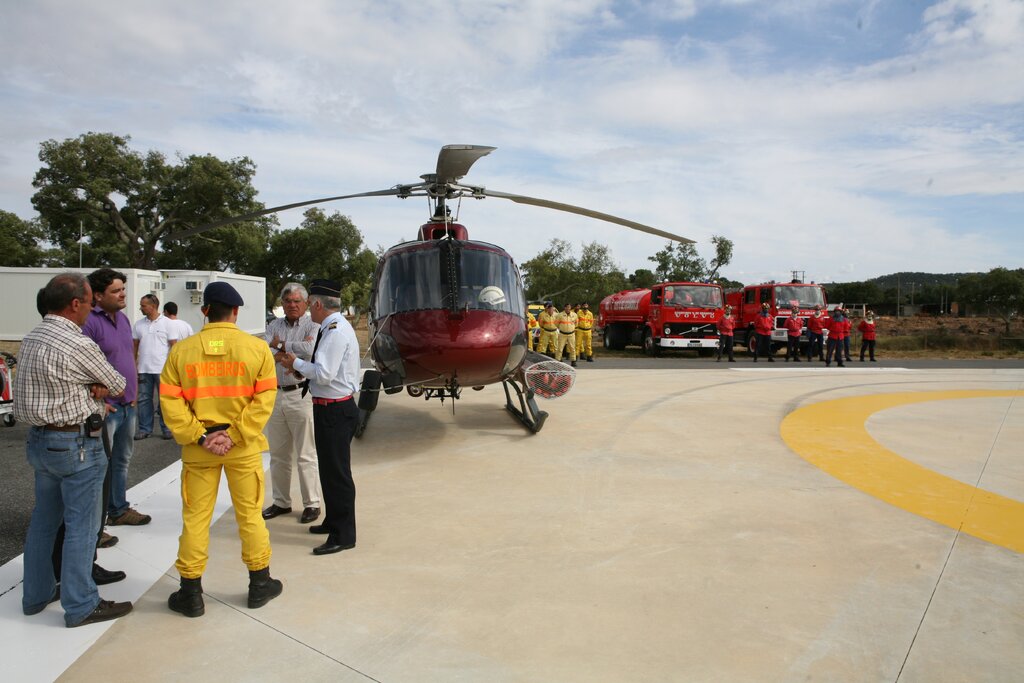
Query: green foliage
[
  {"x": 21, "y": 242},
  {"x": 556, "y": 274},
  {"x": 855, "y": 293},
  {"x": 129, "y": 204},
  {"x": 642, "y": 278},
  {"x": 321, "y": 247},
  {"x": 682, "y": 263},
  {"x": 999, "y": 292}
]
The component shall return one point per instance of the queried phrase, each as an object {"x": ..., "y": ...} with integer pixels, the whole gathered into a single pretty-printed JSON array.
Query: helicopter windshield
[
  {"x": 693, "y": 296},
  {"x": 804, "y": 297},
  {"x": 485, "y": 280}
]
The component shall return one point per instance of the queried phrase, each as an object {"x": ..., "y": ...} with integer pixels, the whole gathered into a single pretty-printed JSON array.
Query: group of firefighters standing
[
  {"x": 838, "y": 324},
  {"x": 566, "y": 333}
]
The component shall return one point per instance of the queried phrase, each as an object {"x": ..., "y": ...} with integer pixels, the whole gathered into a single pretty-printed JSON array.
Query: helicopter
[{"x": 447, "y": 312}]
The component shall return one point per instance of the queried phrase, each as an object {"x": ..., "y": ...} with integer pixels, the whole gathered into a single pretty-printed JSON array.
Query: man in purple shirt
[{"x": 112, "y": 331}]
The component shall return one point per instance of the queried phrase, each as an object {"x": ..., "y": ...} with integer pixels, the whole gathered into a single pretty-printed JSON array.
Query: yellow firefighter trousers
[
  {"x": 565, "y": 340},
  {"x": 583, "y": 343},
  {"x": 547, "y": 339},
  {"x": 199, "y": 484}
]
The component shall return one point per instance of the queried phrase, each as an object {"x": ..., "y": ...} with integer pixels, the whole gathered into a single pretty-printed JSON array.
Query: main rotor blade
[
  {"x": 265, "y": 212},
  {"x": 558, "y": 206},
  {"x": 454, "y": 161}
]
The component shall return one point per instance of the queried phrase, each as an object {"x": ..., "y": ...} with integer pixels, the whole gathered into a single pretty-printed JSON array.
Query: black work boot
[
  {"x": 188, "y": 599},
  {"x": 262, "y": 588}
]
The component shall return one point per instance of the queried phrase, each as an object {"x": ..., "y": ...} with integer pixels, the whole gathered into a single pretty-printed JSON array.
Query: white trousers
[{"x": 290, "y": 434}]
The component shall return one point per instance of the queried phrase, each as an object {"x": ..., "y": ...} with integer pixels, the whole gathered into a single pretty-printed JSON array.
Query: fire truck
[
  {"x": 670, "y": 315},
  {"x": 781, "y": 299}
]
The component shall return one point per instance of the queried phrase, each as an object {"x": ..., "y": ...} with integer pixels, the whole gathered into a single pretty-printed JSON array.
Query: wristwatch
[{"x": 202, "y": 440}]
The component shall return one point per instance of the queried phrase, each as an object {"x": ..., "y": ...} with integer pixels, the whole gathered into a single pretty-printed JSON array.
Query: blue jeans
[
  {"x": 120, "y": 427},
  {"x": 148, "y": 384},
  {"x": 68, "y": 486}
]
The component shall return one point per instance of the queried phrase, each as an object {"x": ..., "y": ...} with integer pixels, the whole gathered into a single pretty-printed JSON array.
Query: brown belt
[
  {"x": 62, "y": 428},
  {"x": 291, "y": 387}
]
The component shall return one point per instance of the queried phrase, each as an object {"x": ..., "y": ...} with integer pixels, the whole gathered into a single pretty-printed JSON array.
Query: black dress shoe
[
  {"x": 104, "y": 576},
  {"x": 319, "y": 529},
  {"x": 105, "y": 611},
  {"x": 331, "y": 547},
  {"x": 274, "y": 511},
  {"x": 309, "y": 515}
]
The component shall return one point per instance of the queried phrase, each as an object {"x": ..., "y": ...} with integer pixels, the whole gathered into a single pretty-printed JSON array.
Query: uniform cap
[
  {"x": 325, "y": 288},
  {"x": 221, "y": 293}
]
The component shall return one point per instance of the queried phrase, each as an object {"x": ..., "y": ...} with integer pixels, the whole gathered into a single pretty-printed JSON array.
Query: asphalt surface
[{"x": 154, "y": 454}]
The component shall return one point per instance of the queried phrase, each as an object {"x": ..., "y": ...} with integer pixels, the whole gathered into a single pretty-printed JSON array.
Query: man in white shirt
[
  {"x": 181, "y": 328},
  {"x": 154, "y": 337}
]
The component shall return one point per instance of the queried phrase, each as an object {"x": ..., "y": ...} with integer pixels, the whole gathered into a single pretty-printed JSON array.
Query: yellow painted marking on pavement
[{"x": 833, "y": 435}]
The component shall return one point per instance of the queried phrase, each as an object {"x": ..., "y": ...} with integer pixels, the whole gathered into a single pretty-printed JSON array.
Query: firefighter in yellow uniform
[
  {"x": 548, "y": 330},
  {"x": 217, "y": 392},
  {"x": 584, "y": 330},
  {"x": 566, "y": 322},
  {"x": 531, "y": 325}
]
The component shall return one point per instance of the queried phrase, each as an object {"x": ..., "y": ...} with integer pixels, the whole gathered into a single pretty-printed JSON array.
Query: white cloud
[{"x": 806, "y": 167}]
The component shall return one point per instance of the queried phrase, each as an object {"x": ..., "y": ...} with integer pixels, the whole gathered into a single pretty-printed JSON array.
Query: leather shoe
[
  {"x": 104, "y": 576},
  {"x": 274, "y": 511},
  {"x": 309, "y": 515},
  {"x": 319, "y": 529},
  {"x": 331, "y": 547},
  {"x": 105, "y": 611},
  {"x": 139, "y": 437}
]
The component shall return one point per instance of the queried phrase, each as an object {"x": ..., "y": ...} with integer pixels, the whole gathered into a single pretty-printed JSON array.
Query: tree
[
  {"x": 642, "y": 278},
  {"x": 130, "y": 203},
  {"x": 321, "y": 247},
  {"x": 1000, "y": 291},
  {"x": 20, "y": 240},
  {"x": 556, "y": 274},
  {"x": 856, "y": 293},
  {"x": 682, "y": 263}
]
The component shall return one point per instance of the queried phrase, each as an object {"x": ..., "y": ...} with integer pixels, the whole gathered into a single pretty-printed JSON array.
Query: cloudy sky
[{"x": 848, "y": 139}]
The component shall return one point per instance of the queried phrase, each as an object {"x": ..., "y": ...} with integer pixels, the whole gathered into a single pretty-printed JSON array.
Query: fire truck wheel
[
  {"x": 751, "y": 342},
  {"x": 650, "y": 348},
  {"x": 8, "y": 420}
]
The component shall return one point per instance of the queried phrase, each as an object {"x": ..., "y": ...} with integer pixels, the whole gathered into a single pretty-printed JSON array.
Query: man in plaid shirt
[{"x": 62, "y": 380}]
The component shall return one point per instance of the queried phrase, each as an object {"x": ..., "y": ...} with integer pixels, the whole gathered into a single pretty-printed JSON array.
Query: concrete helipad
[{"x": 751, "y": 523}]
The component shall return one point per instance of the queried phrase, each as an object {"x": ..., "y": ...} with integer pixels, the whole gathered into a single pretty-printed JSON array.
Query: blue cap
[{"x": 221, "y": 293}]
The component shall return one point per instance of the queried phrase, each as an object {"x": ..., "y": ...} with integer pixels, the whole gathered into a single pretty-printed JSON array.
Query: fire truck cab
[
  {"x": 670, "y": 315},
  {"x": 781, "y": 299}
]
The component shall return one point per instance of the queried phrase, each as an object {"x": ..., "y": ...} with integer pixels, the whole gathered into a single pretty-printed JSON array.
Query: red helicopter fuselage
[{"x": 447, "y": 312}]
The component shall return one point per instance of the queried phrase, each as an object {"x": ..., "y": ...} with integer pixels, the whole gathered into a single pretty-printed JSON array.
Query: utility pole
[
  {"x": 81, "y": 241},
  {"x": 899, "y": 297}
]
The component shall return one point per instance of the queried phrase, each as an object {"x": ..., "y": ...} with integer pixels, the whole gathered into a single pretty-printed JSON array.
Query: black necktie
[{"x": 312, "y": 359}]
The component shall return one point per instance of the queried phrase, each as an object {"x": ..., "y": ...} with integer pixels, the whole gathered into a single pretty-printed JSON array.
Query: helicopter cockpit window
[
  {"x": 409, "y": 282},
  {"x": 412, "y": 281},
  {"x": 488, "y": 281}
]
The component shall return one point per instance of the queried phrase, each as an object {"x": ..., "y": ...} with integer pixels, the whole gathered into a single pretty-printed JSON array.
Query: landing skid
[{"x": 526, "y": 412}]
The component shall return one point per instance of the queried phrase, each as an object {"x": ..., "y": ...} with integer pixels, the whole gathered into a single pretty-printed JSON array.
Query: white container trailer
[
  {"x": 19, "y": 287},
  {"x": 185, "y": 288}
]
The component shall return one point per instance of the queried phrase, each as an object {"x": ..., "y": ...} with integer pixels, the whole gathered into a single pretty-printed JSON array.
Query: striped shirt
[
  {"x": 56, "y": 366},
  {"x": 298, "y": 339}
]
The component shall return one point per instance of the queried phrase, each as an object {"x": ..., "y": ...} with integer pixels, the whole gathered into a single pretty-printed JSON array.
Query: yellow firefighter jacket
[
  {"x": 221, "y": 376},
  {"x": 547, "y": 321},
  {"x": 586, "y": 320},
  {"x": 566, "y": 322}
]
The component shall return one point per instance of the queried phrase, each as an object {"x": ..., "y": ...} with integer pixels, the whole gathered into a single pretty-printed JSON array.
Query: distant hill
[{"x": 919, "y": 279}]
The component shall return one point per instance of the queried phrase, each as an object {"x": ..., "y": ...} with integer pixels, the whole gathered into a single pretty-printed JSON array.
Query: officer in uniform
[
  {"x": 794, "y": 328},
  {"x": 763, "y": 325},
  {"x": 566, "y": 323},
  {"x": 217, "y": 391},
  {"x": 867, "y": 335},
  {"x": 548, "y": 330},
  {"x": 584, "y": 332},
  {"x": 815, "y": 335},
  {"x": 726, "y": 326},
  {"x": 836, "y": 334},
  {"x": 333, "y": 376}
]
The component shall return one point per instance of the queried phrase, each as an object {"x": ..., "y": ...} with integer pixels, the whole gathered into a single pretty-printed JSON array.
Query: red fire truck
[
  {"x": 781, "y": 297},
  {"x": 670, "y": 315}
]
